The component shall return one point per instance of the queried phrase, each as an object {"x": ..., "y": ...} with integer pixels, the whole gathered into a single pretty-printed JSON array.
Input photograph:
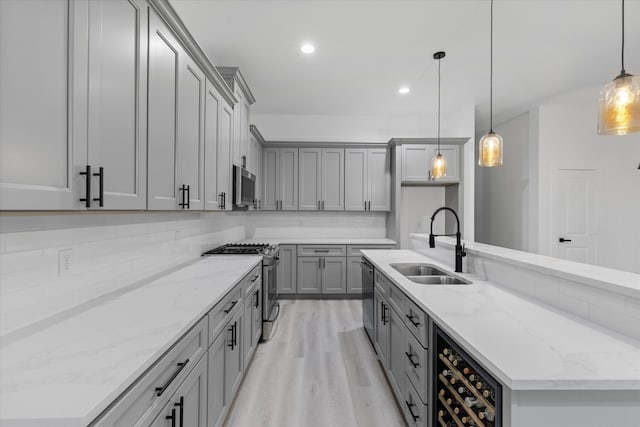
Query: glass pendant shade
[
  {"x": 619, "y": 110},
  {"x": 490, "y": 150},
  {"x": 438, "y": 166}
]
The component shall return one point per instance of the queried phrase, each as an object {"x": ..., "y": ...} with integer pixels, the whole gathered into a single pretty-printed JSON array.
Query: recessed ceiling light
[
  {"x": 404, "y": 90},
  {"x": 307, "y": 48}
]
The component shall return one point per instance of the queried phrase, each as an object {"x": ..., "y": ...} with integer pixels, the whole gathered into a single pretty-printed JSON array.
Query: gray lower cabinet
[
  {"x": 287, "y": 269},
  {"x": 309, "y": 275},
  {"x": 188, "y": 405},
  {"x": 218, "y": 403},
  {"x": 396, "y": 351},
  {"x": 381, "y": 310},
  {"x": 322, "y": 275},
  {"x": 233, "y": 358},
  {"x": 354, "y": 275},
  {"x": 252, "y": 321}
]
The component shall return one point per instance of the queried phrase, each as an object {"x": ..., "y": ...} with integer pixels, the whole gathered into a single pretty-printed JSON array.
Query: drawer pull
[
  {"x": 172, "y": 417},
  {"x": 254, "y": 278},
  {"x": 257, "y": 295},
  {"x": 181, "y": 406},
  {"x": 321, "y": 251},
  {"x": 233, "y": 304},
  {"x": 160, "y": 390},
  {"x": 413, "y": 322},
  {"x": 410, "y": 406},
  {"x": 410, "y": 357}
]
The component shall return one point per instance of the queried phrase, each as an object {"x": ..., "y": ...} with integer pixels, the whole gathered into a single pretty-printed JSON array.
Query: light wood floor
[{"x": 319, "y": 370}]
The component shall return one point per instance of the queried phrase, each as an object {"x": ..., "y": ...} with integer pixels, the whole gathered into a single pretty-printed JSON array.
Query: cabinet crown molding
[
  {"x": 429, "y": 141},
  {"x": 233, "y": 76},
  {"x": 256, "y": 133}
]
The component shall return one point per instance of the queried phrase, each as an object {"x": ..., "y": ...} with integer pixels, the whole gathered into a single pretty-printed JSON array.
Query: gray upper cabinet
[
  {"x": 224, "y": 156},
  {"x": 368, "y": 179},
  {"x": 280, "y": 174},
  {"x": 321, "y": 179},
  {"x": 89, "y": 108},
  {"x": 163, "y": 118},
  {"x": 416, "y": 163},
  {"x": 191, "y": 91},
  {"x": 212, "y": 101}
]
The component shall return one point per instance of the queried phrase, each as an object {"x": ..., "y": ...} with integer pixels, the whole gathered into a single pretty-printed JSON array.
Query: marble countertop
[
  {"x": 622, "y": 282},
  {"x": 525, "y": 345},
  {"x": 322, "y": 241},
  {"x": 68, "y": 373}
]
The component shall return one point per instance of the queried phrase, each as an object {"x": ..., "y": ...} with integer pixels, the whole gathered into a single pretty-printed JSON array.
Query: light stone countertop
[
  {"x": 68, "y": 373},
  {"x": 525, "y": 345},
  {"x": 322, "y": 241}
]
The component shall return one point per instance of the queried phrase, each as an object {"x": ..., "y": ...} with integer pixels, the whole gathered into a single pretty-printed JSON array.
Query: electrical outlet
[{"x": 65, "y": 261}]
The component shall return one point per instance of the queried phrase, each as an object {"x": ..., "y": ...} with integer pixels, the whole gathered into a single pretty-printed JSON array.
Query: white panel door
[
  {"x": 211, "y": 135},
  {"x": 225, "y": 121},
  {"x": 332, "y": 182},
  {"x": 38, "y": 54},
  {"x": 356, "y": 187},
  {"x": 270, "y": 194},
  {"x": 190, "y": 135},
  {"x": 118, "y": 101},
  {"x": 310, "y": 178},
  {"x": 576, "y": 213},
  {"x": 416, "y": 162},
  {"x": 163, "y": 127},
  {"x": 288, "y": 179},
  {"x": 379, "y": 179}
]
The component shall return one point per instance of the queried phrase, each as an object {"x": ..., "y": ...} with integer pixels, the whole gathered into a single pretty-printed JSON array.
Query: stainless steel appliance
[
  {"x": 270, "y": 260},
  {"x": 367, "y": 298},
  {"x": 244, "y": 188}
]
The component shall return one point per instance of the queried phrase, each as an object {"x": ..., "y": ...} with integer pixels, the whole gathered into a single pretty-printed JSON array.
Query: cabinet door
[
  {"x": 164, "y": 52},
  {"x": 416, "y": 162},
  {"x": 237, "y": 127},
  {"x": 334, "y": 275},
  {"x": 117, "y": 118},
  {"x": 379, "y": 180},
  {"x": 396, "y": 352},
  {"x": 288, "y": 179},
  {"x": 225, "y": 121},
  {"x": 217, "y": 403},
  {"x": 310, "y": 178},
  {"x": 190, "y": 134},
  {"x": 211, "y": 134},
  {"x": 244, "y": 128},
  {"x": 356, "y": 189},
  {"x": 270, "y": 172},
  {"x": 259, "y": 177},
  {"x": 286, "y": 274},
  {"x": 256, "y": 316},
  {"x": 233, "y": 358},
  {"x": 39, "y": 50},
  {"x": 188, "y": 405},
  {"x": 332, "y": 191},
  {"x": 309, "y": 275},
  {"x": 354, "y": 275},
  {"x": 381, "y": 310},
  {"x": 247, "y": 334}
]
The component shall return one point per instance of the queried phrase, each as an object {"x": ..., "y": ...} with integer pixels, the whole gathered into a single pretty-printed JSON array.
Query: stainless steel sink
[
  {"x": 418, "y": 270},
  {"x": 427, "y": 274},
  {"x": 439, "y": 280}
]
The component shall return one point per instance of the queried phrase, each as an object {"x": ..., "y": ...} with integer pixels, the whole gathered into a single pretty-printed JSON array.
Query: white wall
[
  {"x": 417, "y": 206},
  {"x": 110, "y": 251},
  {"x": 561, "y": 134}
]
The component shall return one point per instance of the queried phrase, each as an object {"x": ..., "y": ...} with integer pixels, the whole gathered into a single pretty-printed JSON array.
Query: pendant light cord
[
  {"x": 622, "y": 72},
  {"x": 438, "y": 107},
  {"x": 491, "y": 74}
]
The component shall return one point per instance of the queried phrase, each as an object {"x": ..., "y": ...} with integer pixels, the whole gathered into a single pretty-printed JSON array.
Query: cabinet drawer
[
  {"x": 354, "y": 250},
  {"x": 322, "y": 250},
  {"x": 222, "y": 312},
  {"x": 417, "y": 366},
  {"x": 416, "y": 321},
  {"x": 382, "y": 284},
  {"x": 396, "y": 299},
  {"x": 251, "y": 280},
  {"x": 416, "y": 413},
  {"x": 166, "y": 374}
]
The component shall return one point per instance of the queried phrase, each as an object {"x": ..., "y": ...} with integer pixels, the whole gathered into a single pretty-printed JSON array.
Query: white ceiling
[{"x": 365, "y": 50}]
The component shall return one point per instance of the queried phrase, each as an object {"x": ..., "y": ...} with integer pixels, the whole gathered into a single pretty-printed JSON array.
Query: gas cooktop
[{"x": 242, "y": 249}]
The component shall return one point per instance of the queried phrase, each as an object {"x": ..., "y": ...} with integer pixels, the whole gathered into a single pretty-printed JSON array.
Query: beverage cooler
[{"x": 464, "y": 393}]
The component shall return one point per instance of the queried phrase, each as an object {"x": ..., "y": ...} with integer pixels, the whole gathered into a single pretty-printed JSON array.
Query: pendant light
[
  {"x": 491, "y": 143},
  {"x": 438, "y": 163},
  {"x": 619, "y": 110}
]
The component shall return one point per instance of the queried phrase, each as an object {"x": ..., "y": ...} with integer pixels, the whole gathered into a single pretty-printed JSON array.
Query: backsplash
[{"x": 109, "y": 251}]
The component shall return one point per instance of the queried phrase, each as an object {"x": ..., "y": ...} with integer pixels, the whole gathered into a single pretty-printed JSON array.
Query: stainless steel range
[{"x": 270, "y": 260}]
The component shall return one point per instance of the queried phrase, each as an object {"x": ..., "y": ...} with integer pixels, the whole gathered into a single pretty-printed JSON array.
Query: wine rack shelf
[{"x": 465, "y": 394}]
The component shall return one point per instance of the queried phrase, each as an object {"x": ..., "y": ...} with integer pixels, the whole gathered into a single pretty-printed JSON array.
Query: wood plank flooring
[{"x": 319, "y": 370}]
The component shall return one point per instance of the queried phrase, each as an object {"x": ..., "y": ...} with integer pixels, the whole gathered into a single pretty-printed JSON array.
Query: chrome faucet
[{"x": 460, "y": 252}]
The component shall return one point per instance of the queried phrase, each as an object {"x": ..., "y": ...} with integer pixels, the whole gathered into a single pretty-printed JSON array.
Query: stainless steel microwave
[{"x": 244, "y": 188}]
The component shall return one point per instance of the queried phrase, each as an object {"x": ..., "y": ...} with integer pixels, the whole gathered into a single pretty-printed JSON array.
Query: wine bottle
[
  {"x": 468, "y": 371},
  {"x": 473, "y": 377},
  {"x": 464, "y": 392},
  {"x": 455, "y": 359},
  {"x": 489, "y": 415},
  {"x": 447, "y": 351},
  {"x": 442, "y": 392},
  {"x": 471, "y": 402},
  {"x": 447, "y": 372}
]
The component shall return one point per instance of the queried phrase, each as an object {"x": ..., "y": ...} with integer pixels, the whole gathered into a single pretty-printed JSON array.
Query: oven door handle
[{"x": 276, "y": 307}]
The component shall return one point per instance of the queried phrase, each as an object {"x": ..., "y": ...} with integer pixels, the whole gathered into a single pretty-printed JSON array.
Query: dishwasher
[{"x": 367, "y": 298}]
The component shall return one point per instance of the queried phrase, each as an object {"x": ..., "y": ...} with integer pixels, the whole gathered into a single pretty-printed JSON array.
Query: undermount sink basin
[
  {"x": 418, "y": 270},
  {"x": 438, "y": 280},
  {"x": 427, "y": 274}
]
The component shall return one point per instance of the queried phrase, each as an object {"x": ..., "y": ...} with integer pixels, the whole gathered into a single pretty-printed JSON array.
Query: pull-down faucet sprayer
[{"x": 459, "y": 248}]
